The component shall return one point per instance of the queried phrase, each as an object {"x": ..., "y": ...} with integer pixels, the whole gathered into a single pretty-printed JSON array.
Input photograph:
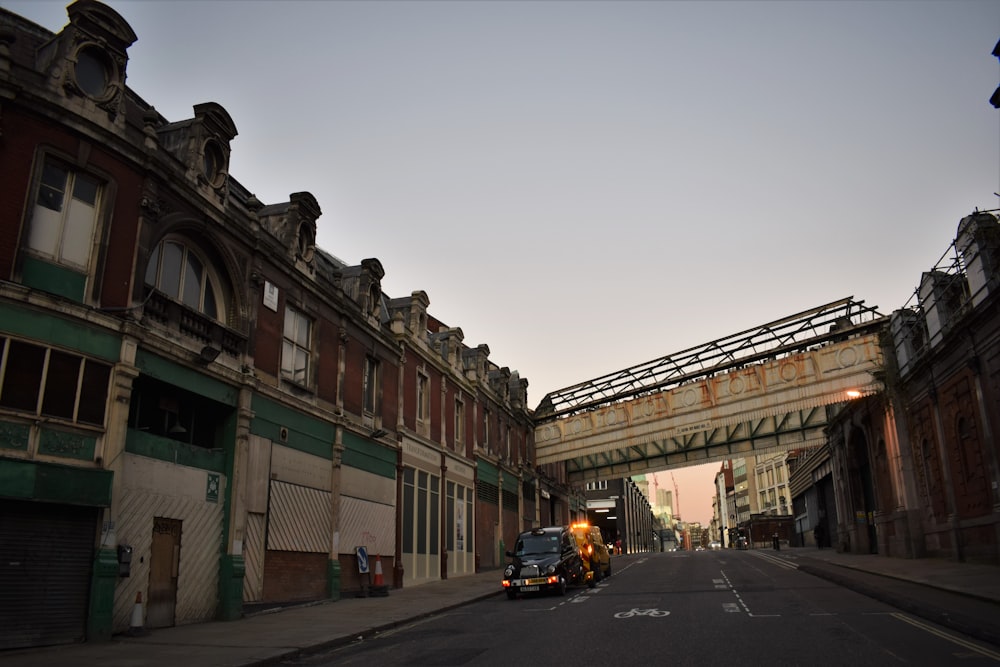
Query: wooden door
[{"x": 164, "y": 561}]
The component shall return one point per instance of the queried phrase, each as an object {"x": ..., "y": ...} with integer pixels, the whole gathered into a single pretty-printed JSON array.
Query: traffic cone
[
  {"x": 378, "y": 587},
  {"x": 135, "y": 626}
]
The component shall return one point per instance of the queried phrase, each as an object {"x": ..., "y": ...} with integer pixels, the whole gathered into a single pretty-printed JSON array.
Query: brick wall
[{"x": 293, "y": 576}]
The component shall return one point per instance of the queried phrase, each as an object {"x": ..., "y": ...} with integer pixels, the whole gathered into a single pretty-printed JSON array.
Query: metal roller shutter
[{"x": 46, "y": 555}]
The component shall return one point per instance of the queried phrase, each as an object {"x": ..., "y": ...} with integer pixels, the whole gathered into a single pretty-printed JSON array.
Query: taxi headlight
[
  {"x": 550, "y": 569},
  {"x": 509, "y": 572}
]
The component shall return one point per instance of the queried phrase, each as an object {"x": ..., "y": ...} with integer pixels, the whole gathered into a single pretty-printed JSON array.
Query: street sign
[{"x": 362, "y": 554}]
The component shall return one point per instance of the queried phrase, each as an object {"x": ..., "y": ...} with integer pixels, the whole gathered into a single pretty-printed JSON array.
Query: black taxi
[{"x": 544, "y": 560}]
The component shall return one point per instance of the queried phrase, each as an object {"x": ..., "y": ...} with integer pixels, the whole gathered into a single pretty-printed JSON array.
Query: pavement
[{"x": 961, "y": 596}]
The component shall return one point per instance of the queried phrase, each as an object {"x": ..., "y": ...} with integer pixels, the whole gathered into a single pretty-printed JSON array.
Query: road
[{"x": 684, "y": 608}]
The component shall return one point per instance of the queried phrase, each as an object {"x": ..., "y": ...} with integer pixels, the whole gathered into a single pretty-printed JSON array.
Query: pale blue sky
[{"x": 585, "y": 186}]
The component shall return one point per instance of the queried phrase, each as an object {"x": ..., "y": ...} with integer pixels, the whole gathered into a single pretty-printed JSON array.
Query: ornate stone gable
[{"x": 86, "y": 61}]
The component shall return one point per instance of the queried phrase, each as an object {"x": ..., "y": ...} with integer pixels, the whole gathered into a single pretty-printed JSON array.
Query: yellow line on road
[{"x": 952, "y": 638}]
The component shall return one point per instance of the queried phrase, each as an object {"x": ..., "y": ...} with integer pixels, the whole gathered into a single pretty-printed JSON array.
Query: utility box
[{"x": 124, "y": 560}]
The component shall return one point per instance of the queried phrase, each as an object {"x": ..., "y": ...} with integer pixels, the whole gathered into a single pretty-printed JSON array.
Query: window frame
[
  {"x": 94, "y": 54},
  {"x": 459, "y": 435},
  {"x": 485, "y": 444},
  {"x": 73, "y": 174},
  {"x": 306, "y": 380},
  {"x": 371, "y": 386},
  {"x": 423, "y": 407},
  {"x": 88, "y": 370},
  {"x": 210, "y": 283}
]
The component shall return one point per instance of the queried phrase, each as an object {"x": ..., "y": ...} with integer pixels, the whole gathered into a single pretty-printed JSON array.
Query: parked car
[
  {"x": 597, "y": 557},
  {"x": 544, "y": 560}
]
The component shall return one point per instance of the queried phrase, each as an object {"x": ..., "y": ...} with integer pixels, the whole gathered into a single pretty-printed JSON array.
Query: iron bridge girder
[
  {"x": 771, "y": 434},
  {"x": 761, "y": 407}
]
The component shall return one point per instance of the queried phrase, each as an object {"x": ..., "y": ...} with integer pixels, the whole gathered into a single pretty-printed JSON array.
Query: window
[
  {"x": 373, "y": 299},
  {"x": 421, "y": 512},
  {"x": 168, "y": 411},
  {"x": 307, "y": 244},
  {"x": 179, "y": 272},
  {"x": 457, "y": 522},
  {"x": 459, "y": 421},
  {"x": 94, "y": 71},
  {"x": 215, "y": 162},
  {"x": 297, "y": 347},
  {"x": 370, "y": 387},
  {"x": 485, "y": 444},
  {"x": 48, "y": 382},
  {"x": 64, "y": 220},
  {"x": 423, "y": 397}
]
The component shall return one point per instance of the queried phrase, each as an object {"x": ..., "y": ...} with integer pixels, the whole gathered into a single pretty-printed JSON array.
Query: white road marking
[{"x": 771, "y": 558}]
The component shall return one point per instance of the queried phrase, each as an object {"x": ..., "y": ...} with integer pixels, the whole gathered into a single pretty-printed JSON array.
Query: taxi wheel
[{"x": 561, "y": 587}]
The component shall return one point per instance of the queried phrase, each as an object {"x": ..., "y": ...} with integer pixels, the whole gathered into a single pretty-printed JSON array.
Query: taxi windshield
[{"x": 537, "y": 544}]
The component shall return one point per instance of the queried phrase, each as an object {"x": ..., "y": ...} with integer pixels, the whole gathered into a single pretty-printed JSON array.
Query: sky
[{"x": 586, "y": 186}]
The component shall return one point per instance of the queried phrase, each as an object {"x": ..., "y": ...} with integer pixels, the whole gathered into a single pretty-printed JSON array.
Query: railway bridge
[{"x": 756, "y": 392}]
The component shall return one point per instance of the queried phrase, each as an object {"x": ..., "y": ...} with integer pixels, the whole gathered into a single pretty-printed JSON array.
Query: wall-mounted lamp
[
  {"x": 379, "y": 433},
  {"x": 208, "y": 354}
]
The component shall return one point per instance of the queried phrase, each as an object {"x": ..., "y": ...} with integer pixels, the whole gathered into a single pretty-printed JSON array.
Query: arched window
[{"x": 179, "y": 272}]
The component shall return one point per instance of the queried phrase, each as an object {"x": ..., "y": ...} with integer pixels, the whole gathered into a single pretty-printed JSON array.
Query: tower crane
[{"x": 677, "y": 498}]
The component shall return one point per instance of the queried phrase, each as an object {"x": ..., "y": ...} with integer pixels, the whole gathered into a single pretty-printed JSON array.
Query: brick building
[{"x": 199, "y": 406}]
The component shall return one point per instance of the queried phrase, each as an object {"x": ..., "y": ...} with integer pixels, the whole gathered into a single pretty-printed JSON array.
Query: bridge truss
[{"x": 760, "y": 390}]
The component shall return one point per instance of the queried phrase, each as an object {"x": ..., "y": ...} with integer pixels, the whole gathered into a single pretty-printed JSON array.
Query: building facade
[
  {"x": 917, "y": 468},
  {"x": 201, "y": 411}
]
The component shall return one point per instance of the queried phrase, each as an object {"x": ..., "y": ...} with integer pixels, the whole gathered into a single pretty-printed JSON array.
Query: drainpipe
[
  {"x": 397, "y": 566},
  {"x": 445, "y": 530}
]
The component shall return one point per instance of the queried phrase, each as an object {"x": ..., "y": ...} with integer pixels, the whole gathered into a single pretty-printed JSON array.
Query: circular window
[
  {"x": 306, "y": 243},
  {"x": 94, "y": 71},
  {"x": 373, "y": 299},
  {"x": 214, "y": 163}
]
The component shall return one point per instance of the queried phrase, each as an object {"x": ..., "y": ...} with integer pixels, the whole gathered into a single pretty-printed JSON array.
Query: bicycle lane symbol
[{"x": 658, "y": 613}]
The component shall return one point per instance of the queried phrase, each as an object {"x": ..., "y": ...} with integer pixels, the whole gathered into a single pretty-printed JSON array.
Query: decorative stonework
[
  {"x": 88, "y": 59},
  {"x": 14, "y": 436},
  {"x": 68, "y": 445}
]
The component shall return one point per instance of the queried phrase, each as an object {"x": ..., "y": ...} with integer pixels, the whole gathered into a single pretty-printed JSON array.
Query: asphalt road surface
[{"x": 701, "y": 608}]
